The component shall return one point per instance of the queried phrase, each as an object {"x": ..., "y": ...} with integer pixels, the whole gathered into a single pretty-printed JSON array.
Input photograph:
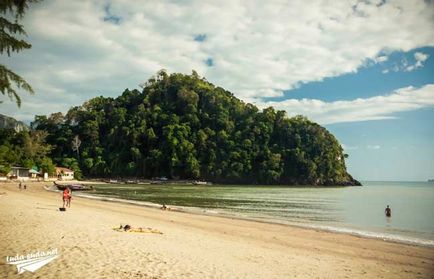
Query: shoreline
[
  {"x": 191, "y": 246},
  {"x": 393, "y": 238},
  {"x": 146, "y": 181}
]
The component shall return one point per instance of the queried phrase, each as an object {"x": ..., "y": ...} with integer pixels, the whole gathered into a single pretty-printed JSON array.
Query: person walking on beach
[
  {"x": 388, "y": 211},
  {"x": 67, "y": 197}
]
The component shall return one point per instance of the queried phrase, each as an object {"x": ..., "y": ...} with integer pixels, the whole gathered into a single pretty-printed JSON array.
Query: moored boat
[{"x": 73, "y": 187}]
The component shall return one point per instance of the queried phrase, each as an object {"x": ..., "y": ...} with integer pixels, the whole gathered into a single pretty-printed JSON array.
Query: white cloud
[
  {"x": 420, "y": 59},
  {"x": 258, "y": 49},
  {"x": 349, "y": 147},
  {"x": 420, "y": 56},
  {"x": 381, "y": 59},
  {"x": 373, "y": 147},
  {"x": 403, "y": 65},
  {"x": 374, "y": 108}
]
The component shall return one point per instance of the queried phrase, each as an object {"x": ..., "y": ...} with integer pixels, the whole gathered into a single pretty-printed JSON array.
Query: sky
[{"x": 363, "y": 69}]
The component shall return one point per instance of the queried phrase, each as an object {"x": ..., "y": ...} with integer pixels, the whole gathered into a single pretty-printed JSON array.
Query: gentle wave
[
  {"x": 223, "y": 213},
  {"x": 377, "y": 235}
]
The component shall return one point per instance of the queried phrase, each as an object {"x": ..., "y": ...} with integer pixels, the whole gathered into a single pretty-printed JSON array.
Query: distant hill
[
  {"x": 7, "y": 122},
  {"x": 183, "y": 127}
]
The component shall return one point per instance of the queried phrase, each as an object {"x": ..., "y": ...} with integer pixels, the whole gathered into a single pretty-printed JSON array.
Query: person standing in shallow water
[{"x": 388, "y": 211}]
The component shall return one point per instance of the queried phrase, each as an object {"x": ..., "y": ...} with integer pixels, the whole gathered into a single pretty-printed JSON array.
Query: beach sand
[{"x": 191, "y": 246}]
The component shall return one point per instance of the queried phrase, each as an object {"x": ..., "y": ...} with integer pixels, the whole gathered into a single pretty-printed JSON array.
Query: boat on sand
[{"x": 73, "y": 187}]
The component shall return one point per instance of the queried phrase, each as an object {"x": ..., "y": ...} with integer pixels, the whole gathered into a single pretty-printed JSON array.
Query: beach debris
[{"x": 128, "y": 228}]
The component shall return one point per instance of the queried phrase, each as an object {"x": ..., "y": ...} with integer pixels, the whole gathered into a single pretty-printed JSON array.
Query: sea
[{"x": 356, "y": 210}]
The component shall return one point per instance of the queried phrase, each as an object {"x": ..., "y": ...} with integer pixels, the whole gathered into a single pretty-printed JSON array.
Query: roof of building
[
  {"x": 21, "y": 168},
  {"x": 62, "y": 169}
]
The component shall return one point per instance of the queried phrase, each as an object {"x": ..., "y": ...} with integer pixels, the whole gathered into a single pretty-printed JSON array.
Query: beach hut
[
  {"x": 64, "y": 173},
  {"x": 19, "y": 173},
  {"x": 33, "y": 173}
]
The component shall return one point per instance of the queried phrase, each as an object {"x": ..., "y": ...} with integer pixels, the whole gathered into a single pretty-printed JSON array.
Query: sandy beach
[{"x": 190, "y": 246}]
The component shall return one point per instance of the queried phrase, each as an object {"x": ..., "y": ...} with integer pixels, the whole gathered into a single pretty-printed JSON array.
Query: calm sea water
[{"x": 355, "y": 210}]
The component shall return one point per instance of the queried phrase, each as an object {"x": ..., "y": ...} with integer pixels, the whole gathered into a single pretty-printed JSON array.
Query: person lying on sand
[{"x": 128, "y": 228}]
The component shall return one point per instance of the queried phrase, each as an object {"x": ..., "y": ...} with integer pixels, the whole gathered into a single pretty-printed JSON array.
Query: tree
[
  {"x": 76, "y": 142},
  {"x": 5, "y": 159},
  {"x": 47, "y": 166},
  {"x": 34, "y": 145},
  {"x": 9, "y": 43},
  {"x": 25, "y": 148}
]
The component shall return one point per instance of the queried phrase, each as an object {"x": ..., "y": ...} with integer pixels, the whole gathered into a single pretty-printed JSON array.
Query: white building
[{"x": 64, "y": 173}]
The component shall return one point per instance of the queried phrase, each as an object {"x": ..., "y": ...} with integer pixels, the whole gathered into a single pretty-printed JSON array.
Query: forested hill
[{"x": 183, "y": 127}]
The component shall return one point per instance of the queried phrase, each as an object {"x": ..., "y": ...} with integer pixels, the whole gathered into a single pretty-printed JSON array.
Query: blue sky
[
  {"x": 396, "y": 149},
  {"x": 363, "y": 69},
  {"x": 401, "y": 148},
  {"x": 393, "y": 149},
  {"x": 369, "y": 80}
]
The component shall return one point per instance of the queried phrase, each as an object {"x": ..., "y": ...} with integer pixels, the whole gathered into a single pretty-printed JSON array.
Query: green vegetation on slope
[
  {"x": 183, "y": 127},
  {"x": 26, "y": 149}
]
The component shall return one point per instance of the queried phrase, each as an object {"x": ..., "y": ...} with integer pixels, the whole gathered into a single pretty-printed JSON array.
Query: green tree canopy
[
  {"x": 26, "y": 149},
  {"x": 183, "y": 127}
]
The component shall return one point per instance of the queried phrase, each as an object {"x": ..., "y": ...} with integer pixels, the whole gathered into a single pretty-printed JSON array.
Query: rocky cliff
[{"x": 7, "y": 122}]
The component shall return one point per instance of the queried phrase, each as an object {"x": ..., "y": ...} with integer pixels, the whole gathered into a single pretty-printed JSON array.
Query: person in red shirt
[{"x": 67, "y": 197}]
